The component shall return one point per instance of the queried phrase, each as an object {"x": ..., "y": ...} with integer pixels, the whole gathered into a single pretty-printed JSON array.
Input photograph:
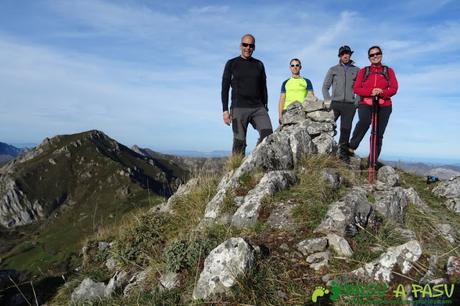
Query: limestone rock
[
  {"x": 318, "y": 260},
  {"x": 401, "y": 257},
  {"x": 316, "y": 128},
  {"x": 325, "y": 144},
  {"x": 354, "y": 205},
  {"x": 322, "y": 116},
  {"x": 447, "y": 231},
  {"x": 295, "y": 113},
  {"x": 270, "y": 183},
  {"x": 169, "y": 280},
  {"x": 389, "y": 176},
  {"x": 136, "y": 280},
  {"x": 340, "y": 245},
  {"x": 453, "y": 204},
  {"x": 118, "y": 281},
  {"x": 222, "y": 267},
  {"x": 413, "y": 197},
  {"x": 453, "y": 267},
  {"x": 312, "y": 103},
  {"x": 280, "y": 216},
  {"x": 15, "y": 208},
  {"x": 392, "y": 203},
  {"x": 451, "y": 191},
  {"x": 331, "y": 177},
  {"x": 88, "y": 290},
  {"x": 309, "y": 246}
]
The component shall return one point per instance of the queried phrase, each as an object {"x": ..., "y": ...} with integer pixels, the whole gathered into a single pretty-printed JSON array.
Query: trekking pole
[{"x": 373, "y": 140}]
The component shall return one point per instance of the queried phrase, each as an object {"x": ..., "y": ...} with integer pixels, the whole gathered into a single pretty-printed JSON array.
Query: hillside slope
[
  {"x": 288, "y": 225},
  {"x": 52, "y": 197}
]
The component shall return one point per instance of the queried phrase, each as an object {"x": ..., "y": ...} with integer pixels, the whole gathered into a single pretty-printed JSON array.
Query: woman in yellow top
[{"x": 296, "y": 88}]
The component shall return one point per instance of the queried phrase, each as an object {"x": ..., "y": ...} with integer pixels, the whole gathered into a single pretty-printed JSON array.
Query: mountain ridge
[{"x": 68, "y": 187}]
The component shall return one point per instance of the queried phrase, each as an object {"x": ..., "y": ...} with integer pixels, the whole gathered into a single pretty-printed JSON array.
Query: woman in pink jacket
[{"x": 375, "y": 80}]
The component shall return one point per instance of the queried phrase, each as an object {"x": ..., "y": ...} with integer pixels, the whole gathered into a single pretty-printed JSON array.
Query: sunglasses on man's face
[
  {"x": 252, "y": 46},
  {"x": 375, "y": 54},
  {"x": 295, "y": 65}
]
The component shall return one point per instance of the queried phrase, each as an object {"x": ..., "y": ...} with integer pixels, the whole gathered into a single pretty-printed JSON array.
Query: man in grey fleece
[{"x": 342, "y": 78}]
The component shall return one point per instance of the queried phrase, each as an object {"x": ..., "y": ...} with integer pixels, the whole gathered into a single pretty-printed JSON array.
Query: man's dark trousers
[{"x": 241, "y": 118}]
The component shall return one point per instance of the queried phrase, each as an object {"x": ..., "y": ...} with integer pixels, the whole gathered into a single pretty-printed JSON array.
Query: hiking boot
[
  {"x": 350, "y": 151},
  {"x": 343, "y": 155},
  {"x": 346, "y": 149}
]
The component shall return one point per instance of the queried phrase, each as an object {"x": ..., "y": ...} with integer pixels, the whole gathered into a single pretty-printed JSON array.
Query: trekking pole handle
[{"x": 375, "y": 103}]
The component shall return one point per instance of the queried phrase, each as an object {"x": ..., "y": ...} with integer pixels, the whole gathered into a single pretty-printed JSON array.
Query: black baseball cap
[{"x": 345, "y": 49}]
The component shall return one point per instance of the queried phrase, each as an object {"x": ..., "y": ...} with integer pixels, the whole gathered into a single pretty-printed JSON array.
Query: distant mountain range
[
  {"x": 191, "y": 153},
  {"x": 8, "y": 152},
  {"x": 441, "y": 171}
]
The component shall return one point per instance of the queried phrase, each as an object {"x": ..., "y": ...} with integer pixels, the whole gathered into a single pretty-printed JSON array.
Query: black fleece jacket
[{"x": 248, "y": 81}]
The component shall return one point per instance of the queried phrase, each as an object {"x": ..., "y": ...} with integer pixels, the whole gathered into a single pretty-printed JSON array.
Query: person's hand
[
  {"x": 376, "y": 91},
  {"x": 227, "y": 118},
  {"x": 327, "y": 104}
]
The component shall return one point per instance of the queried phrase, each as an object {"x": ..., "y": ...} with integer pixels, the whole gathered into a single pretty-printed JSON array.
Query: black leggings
[
  {"x": 346, "y": 112},
  {"x": 364, "y": 113}
]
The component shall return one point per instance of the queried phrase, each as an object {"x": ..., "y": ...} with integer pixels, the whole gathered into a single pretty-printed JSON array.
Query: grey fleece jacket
[{"x": 342, "y": 81}]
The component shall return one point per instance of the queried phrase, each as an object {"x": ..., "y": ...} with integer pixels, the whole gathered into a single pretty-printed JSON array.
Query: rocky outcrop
[
  {"x": 340, "y": 246},
  {"x": 310, "y": 246},
  {"x": 306, "y": 129},
  {"x": 88, "y": 290},
  {"x": 353, "y": 207},
  {"x": 270, "y": 183},
  {"x": 413, "y": 197},
  {"x": 15, "y": 208},
  {"x": 228, "y": 261},
  {"x": 388, "y": 176},
  {"x": 392, "y": 203},
  {"x": 451, "y": 191},
  {"x": 400, "y": 257}
]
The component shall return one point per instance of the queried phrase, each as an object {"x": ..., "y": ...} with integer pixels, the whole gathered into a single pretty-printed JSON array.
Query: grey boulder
[{"x": 228, "y": 261}]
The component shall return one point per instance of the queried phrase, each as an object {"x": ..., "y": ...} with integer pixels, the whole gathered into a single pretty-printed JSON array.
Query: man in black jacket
[
  {"x": 246, "y": 76},
  {"x": 342, "y": 78}
]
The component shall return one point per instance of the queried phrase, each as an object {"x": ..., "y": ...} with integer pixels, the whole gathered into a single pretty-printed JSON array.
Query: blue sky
[{"x": 149, "y": 72}]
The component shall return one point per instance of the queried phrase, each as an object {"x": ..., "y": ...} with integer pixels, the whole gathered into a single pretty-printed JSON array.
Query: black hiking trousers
[
  {"x": 364, "y": 114},
  {"x": 346, "y": 111},
  {"x": 243, "y": 116}
]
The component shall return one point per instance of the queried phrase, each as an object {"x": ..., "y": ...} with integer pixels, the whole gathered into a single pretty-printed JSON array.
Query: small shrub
[
  {"x": 183, "y": 255},
  {"x": 139, "y": 243}
]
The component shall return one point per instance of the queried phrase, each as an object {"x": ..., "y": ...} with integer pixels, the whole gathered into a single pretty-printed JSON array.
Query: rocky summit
[
  {"x": 59, "y": 170},
  {"x": 289, "y": 224}
]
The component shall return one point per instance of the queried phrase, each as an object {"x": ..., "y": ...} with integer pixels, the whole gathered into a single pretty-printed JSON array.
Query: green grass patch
[
  {"x": 248, "y": 181},
  {"x": 234, "y": 161}
]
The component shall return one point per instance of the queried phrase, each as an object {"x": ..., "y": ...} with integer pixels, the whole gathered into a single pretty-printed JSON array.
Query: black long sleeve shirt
[{"x": 248, "y": 81}]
